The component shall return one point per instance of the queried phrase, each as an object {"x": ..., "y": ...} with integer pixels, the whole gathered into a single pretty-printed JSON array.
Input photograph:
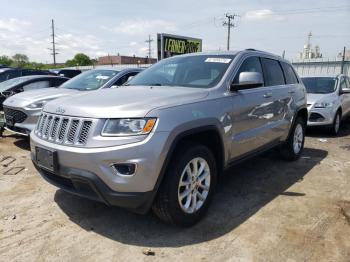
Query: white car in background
[{"x": 328, "y": 100}]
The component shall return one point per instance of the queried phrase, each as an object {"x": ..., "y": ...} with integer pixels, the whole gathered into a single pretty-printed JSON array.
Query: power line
[{"x": 229, "y": 24}]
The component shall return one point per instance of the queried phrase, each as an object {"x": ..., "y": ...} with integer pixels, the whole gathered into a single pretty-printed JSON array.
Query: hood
[
  {"x": 29, "y": 97},
  {"x": 130, "y": 101},
  {"x": 313, "y": 98}
]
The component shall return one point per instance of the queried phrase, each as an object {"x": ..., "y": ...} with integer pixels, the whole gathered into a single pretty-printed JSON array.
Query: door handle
[{"x": 267, "y": 95}]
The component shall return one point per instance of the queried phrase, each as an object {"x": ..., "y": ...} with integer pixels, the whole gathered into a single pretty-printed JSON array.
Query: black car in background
[
  {"x": 26, "y": 83},
  {"x": 66, "y": 72},
  {"x": 9, "y": 73}
]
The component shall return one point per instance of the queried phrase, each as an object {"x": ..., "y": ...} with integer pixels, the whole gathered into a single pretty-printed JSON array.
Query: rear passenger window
[
  {"x": 289, "y": 74},
  {"x": 273, "y": 73},
  {"x": 251, "y": 64}
]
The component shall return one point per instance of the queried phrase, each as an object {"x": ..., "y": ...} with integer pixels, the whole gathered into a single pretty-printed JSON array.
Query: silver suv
[{"x": 164, "y": 139}]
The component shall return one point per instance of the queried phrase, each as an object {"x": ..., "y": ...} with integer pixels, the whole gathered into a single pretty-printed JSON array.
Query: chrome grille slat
[
  {"x": 84, "y": 132},
  {"x": 47, "y": 126},
  {"x": 63, "y": 130},
  {"x": 42, "y": 124},
  {"x": 53, "y": 132},
  {"x": 72, "y": 129}
]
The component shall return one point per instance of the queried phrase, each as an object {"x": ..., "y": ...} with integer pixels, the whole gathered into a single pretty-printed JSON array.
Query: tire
[
  {"x": 334, "y": 129},
  {"x": 293, "y": 147},
  {"x": 167, "y": 205}
]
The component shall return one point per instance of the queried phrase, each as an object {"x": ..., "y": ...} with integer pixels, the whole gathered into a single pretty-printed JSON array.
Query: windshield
[
  {"x": 14, "y": 81},
  {"x": 319, "y": 85},
  {"x": 89, "y": 80},
  {"x": 201, "y": 71}
]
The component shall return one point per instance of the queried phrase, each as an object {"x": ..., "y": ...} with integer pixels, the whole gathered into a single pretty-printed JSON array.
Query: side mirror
[
  {"x": 248, "y": 80},
  {"x": 343, "y": 92}
]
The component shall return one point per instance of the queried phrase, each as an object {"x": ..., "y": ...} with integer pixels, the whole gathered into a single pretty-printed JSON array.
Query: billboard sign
[{"x": 170, "y": 45}]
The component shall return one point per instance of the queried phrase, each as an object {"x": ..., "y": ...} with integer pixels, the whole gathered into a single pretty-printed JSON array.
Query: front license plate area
[{"x": 46, "y": 159}]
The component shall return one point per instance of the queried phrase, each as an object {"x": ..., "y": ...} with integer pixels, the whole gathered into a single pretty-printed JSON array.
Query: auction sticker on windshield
[
  {"x": 218, "y": 60},
  {"x": 102, "y": 77}
]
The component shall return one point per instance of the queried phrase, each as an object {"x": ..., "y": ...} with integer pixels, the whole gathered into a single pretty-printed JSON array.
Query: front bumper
[
  {"x": 320, "y": 117},
  {"x": 89, "y": 185},
  {"x": 95, "y": 164}
]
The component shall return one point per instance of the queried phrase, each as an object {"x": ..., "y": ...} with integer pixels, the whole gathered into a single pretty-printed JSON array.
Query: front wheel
[
  {"x": 294, "y": 145},
  {"x": 336, "y": 124},
  {"x": 188, "y": 186}
]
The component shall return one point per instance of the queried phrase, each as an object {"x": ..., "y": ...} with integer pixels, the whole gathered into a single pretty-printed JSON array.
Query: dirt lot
[{"x": 265, "y": 210}]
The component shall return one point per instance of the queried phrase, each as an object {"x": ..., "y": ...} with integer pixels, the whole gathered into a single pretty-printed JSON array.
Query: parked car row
[
  {"x": 23, "y": 110},
  {"x": 163, "y": 138},
  {"x": 7, "y": 73}
]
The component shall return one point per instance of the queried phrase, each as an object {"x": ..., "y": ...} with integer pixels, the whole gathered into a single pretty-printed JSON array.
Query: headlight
[
  {"x": 323, "y": 105},
  {"x": 128, "y": 126},
  {"x": 37, "y": 105}
]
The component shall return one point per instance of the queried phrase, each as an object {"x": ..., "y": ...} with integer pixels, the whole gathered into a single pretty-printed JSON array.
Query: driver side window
[
  {"x": 36, "y": 85},
  {"x": 251, "y": 64},
  {"x": 343, "y": 86},
  {"x": 347, "y": 83},
  {"x": 124, "y": 79}
]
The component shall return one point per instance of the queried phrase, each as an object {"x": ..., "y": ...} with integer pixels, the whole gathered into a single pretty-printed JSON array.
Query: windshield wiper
[{"x": 156, "y": 84}]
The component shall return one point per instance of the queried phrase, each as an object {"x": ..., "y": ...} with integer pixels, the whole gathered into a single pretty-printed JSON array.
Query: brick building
[{"x": 124, "y": 60}]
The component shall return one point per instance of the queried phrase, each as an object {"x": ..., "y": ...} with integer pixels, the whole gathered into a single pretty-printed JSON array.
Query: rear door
[
  {"x": 283, "y": 89},
  {"x": 251, "y": 111}
]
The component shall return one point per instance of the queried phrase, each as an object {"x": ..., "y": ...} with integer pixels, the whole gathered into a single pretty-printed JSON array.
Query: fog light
[{"x": 125, "y": 169}]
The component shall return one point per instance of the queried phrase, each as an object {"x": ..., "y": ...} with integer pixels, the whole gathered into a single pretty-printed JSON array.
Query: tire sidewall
[
  {"x": 291, "y": 138},
  {"x": 334, "y": 131},
  {"x": 177, "y": 167}
]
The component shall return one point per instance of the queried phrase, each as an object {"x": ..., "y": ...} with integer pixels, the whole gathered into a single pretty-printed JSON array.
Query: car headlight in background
[
  {"x": 38, "y": 104},
  {"x": 128, "y": 126},
  {"x": 323, "y": 105}
]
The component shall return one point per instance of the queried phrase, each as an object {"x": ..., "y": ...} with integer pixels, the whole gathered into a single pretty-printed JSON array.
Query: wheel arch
[{"x": 199, "y": 134}]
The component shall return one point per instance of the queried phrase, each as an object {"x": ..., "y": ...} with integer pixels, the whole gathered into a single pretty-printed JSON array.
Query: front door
[{"x": 251, "y": 112}]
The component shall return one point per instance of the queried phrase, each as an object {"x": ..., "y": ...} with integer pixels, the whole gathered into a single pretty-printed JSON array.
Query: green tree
[
  {"x": 79, "y": 60},
  {"x": 5, "y": 60},
  {"x": 20, "y": 60}
]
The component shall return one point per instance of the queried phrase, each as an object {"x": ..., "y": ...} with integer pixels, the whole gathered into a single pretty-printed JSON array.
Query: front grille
[
  {"x": 18, "y": 116},
  {"x": 63, "y": 129}
]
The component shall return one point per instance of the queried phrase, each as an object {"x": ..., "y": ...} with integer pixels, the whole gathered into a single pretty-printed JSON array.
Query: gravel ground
[{"x": 265, "y": 210}]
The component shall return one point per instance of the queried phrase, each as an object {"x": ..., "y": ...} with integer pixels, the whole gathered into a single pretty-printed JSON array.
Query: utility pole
[
  {"x": 54, "y": 50},
  {"x": 149, "y": 41},
  {"x": 343, "y": 61},
  {"x": 229, "y": 24}
]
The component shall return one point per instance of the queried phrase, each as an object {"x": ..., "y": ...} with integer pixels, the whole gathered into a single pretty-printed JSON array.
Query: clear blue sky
[{"x": 100, "y": 27}]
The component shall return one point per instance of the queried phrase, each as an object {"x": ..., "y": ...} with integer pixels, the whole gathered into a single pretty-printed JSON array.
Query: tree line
[{"x": 22, "y": 61}]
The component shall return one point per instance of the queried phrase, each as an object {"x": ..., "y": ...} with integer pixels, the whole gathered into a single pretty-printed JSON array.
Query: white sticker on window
[
  {"x": 102, "y": 77},
  {"x": 218, "y": 60}
]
